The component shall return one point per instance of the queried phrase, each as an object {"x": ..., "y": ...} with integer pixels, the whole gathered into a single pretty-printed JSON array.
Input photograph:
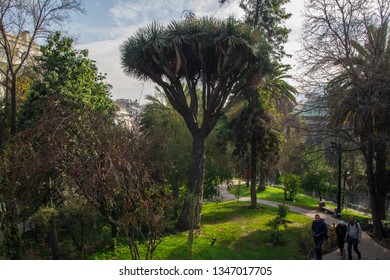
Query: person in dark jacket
[
  {"x": 341, "y": 232},
  {"x": 320, "y": 232}
]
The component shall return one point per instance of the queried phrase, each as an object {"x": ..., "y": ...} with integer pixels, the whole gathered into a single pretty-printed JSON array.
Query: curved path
[{"x": 370, "y": 249}]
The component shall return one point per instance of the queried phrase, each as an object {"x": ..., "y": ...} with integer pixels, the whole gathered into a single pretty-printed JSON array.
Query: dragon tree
[{"x": 205, "y": 55}]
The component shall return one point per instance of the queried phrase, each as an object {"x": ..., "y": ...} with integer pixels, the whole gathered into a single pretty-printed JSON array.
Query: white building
[
  {"x": 314, "y": 112},
  {"x": 17, "y": 47},
  {"x": 129, "y": 112}
]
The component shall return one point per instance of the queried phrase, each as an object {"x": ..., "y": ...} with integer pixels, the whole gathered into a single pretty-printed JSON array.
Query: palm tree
[
  {"x": 359, "y": 101},
  {"x": 278, "y": 97},
  {"x": 268, "y": 17},
  {"x": 204, "y": 53},
  {"x": 169, "y": 141},
  {"x": 255, "y": 126}
]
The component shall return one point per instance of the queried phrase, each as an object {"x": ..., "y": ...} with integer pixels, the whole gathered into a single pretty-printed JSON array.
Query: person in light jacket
[{"x": 354, "y": 236}]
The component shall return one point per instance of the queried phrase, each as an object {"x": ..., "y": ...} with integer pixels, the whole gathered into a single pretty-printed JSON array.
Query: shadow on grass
[
  {"x": 254, "y": 246},
  {"x": 240, "y": 240},
  {"x": 232, "y": 211},
  {"x": 231, "y": 230},
  {"x": 265, "y": 250}
]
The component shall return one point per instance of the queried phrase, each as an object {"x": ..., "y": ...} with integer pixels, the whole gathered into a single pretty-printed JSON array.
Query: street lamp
[
  {"x": 337, "y": 148},
  {"x": 347, "y": 171}
]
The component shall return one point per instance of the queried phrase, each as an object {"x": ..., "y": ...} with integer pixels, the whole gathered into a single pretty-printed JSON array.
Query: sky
[{"x": 108, "y": 23}]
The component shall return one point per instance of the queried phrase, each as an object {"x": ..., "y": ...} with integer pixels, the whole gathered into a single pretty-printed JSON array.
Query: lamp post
[
  {"x": 347, "y": 171},
  {"x": 337, "y": 148}
]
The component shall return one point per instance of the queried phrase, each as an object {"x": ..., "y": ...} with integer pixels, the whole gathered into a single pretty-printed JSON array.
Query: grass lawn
[
  {"x": 277, "y": 195},
  {"x": 346, "y": 213},
  {"x": 301, "y": 200},
  {"x": 240, "y": 234}
]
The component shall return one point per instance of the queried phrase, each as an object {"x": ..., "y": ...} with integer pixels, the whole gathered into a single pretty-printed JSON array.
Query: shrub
[
  {"x": 292, "y": 186},
  {"x": 308, "y": 246},
  {"x": 237, "y": 192},
  {"x": 276, "y": 236},
  {"x": 317, "y": 182},
  {"x": 283, "y": 211}
]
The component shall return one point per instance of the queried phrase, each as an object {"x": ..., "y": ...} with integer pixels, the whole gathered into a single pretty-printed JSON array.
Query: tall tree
[
  {"x": 278, "y": 99},
  {"x": 22, "y": 22},
  {"x": 170, "y": 141},
  {"x": 345, "y": 42},
  {"x": 363, "y": 110},
  {"x": 207, "y": 53},
  {"x": 275, "y": 101},
  {"x": 68, "y": 84},
  {"x": 63, "y": 70},
  {"x": 268, "y": 16}
]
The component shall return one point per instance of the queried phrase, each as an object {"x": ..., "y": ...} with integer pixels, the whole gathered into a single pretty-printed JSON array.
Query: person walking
[
  {"x": 354, "y": 236},
  {"x": 320, "y": 232},
  {"x": 341, "y": 232}
]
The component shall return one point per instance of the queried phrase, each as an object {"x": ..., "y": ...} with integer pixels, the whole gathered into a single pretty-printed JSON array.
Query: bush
[
  {"x": 308, "y": 246},
  {"x": 365, "y": 223},
  {"x": 386, "y": 225},
  {"x": 307, "y": 243},
  {"x": 237, "y": 192},
  {"x": 80, "y": 230},
  {"x": 317, "y": 182},
  {"x": 283, "y": 211},
  {"x": 292, "y": 186}
]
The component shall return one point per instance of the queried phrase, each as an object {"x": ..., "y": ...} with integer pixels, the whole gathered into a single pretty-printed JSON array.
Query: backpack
[{"x": 358, "y": 227}]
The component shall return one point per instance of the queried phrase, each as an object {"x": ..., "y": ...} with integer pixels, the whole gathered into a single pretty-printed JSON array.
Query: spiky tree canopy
[{"x": 210, "y": 53}]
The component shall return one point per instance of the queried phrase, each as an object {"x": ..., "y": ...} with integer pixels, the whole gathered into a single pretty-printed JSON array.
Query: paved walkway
[{"x": 370, "y": 249}]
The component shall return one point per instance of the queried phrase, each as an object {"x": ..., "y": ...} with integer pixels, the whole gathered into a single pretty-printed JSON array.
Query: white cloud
[
  {"x": 293, "y": 46},
  {"x": 104, "y": 42},
  {"x": 107, "y": 57},
  {"x": 124, "y": 12},
  {"x": 295, "y": 23}
]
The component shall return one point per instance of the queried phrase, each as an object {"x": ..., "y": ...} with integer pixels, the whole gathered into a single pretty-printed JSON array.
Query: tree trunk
[
  {"x": 249, "y": 170},
  {"x": 376, "y": 220},
  {"x": 320, "y": 195},
  {"x": 53, "y": 240},
  {"x": 114, "y": 229},
  {"x": 253, "y": 156},
  {"x": 253, "y": 170},
  {"x": 353, "y": 173},
  {"x": 176, "y": 187},
  {"x": 190, "y": 216},
  {"x": 262, "y": 179},
  {"x": 1, "y": 130},
  {"x": 13, "y": 105},
  {"x": 380, "y": 178}
]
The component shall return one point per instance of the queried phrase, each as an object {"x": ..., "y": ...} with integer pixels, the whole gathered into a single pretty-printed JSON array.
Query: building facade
[{"x": 128, "y": 112}]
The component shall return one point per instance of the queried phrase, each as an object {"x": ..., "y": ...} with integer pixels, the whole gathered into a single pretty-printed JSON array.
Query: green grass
[
  {"x": 277, "y": 195},
  {"x": 347, "y": 213},
  {"x": 301, "y": 200},
  {"x": 240, "y": 234}
]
